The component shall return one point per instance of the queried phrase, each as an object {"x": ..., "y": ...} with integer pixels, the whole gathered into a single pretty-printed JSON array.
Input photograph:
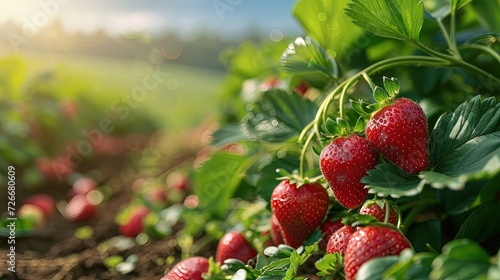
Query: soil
[{"x": 55, "y": 253}]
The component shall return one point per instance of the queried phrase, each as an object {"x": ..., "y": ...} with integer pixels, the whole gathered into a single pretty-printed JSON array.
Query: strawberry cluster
[{"x": 396, "y": 131}]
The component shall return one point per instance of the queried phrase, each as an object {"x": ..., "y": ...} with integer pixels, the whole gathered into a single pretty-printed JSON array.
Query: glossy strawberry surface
[
  {"x": 370, "y": 242},
  {"x": 299, "y": 211},
  {"x": 344, "y": 162},
  {"x": 233, "y": 245},
  {"x": 188, "y": 269},
  {"x": 339, "y": 239},
  {"x": 328, "y": 228},
  {"x": 45, "y": 202},
  {"x": 276, "y": 235},
  {"x": 399, "y": 132}
]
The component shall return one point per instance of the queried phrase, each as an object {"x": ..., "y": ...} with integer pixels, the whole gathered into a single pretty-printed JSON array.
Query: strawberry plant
[{"x": 418, "y": 83}]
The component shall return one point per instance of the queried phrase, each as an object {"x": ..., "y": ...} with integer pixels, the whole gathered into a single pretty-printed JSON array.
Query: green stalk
[
  {"x": 368, "y": 80},
  {"x": 374, "y": 68},
  {"x": 457, "y": 62},
  {"x": 454, "y": 47},
  {"x": 379, "y": 66},
  {"x": 303, "y": 154},
  {"x": 445, "y": 34},
  {"x": 482, "y": 48},
  {"x": 304, "y": 131}
]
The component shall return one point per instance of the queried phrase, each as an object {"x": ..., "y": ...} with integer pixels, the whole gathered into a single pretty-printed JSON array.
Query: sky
[{"x": 218, "y": 17}]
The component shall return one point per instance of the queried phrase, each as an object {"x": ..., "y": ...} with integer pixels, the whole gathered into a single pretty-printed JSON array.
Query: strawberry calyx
[
  {"x": 383, "y": 97},
  {"x": 214, "y": 270},
  {"x": 341, "y": 128},
  {"x": 295, "y": 178}
]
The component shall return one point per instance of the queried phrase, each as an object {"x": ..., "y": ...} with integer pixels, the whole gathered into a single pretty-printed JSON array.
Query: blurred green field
[{"x": 183, "y": 96}]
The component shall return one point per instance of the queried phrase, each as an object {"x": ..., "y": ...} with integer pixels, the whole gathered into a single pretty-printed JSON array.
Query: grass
[{"x": 183, "y": 97}]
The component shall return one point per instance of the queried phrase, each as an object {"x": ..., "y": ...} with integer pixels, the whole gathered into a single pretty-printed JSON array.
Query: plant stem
[
  {"x": 304, "y": 131},
  {"x": 377, "y": 67},
  {"x": 411, "y": 217},
  {"x": 374, "y": 68},
  {"x": 454, "y": 47},
  {"x": 457, "y": 62},
  {"x": 485, "y": 49},
  {"x": 368, "y": 80},
  {"x": 303, "y": 154},
  {"x": 342, "y": 96},
  {"x": 445, "y": 34}
]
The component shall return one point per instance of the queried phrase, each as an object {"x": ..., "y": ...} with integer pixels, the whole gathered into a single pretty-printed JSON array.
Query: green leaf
[
  {"x": 360, "y": 107},
  {"x": 391, "y": 85},
  {"x": 389, "y": 180},
  {"x": 332, "y": 127},
  {"x": 411, "y": 266},
  {"x": 217, "y": 180},
  {"x": 112, "y": 261},
  {"x": 360, "y": 125},
  {"x": 457, "y": 4},
  {"x": 278, "y": 117},
  {"x": 228, "y": 134},
  {"x": 374, "y": 268},
  {"x": 294, "y": 266},
  {"x": 12, "y": 75},
  {"x": 267, "y": 182},
  {"x": 325, "y": 22},
  {"x": 305, "y": 57},
  {"x": 344, "y": 125},
  {"x": 461, "y": 259},
  {"x": 467, "y": 142},
  {"x": 331, "y": 265},
  {"x": 380, "y": 95},
  {"x": 438, "y": 9},
  {"x": 398, "y": 19},
  {"x": 487, "y": 13},
  {"x": 427, "y": 232},
  {"x": 458, "y": 202},
  {"x": 440, "y": 181},
  {"x": 489, "y": 192},
  {"x": 479, "y": 225}
]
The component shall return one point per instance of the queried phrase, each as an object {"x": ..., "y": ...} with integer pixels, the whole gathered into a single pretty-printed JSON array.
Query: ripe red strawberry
[
  {"x": 339, "y": 239},
  {"x": 370, "y": 242},
  {"x": 399, "y": 132},
  {"x": 135, "y": 224},
  {"x": 44, "y": 202},
  {"x": 328, "y": 228},
  {"x": 344, "y": 162},
  {"x": 79, "y": 209},
  {"x": 302, "y": 87},
  {"x": 191, "y": 268},
  {"x": 299, "y": 211},
  {"x": 276, "y": 235},
  {"x": 373, "y": 207},
  {"x": 233, "y": 245}
]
